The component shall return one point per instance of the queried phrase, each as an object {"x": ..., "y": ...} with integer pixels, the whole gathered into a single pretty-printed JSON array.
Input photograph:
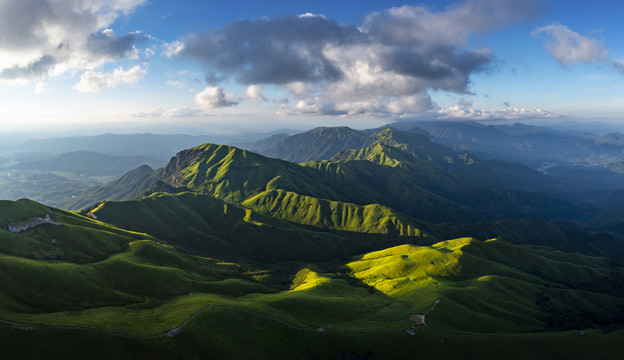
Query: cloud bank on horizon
[{"x": 297, "y": 64}]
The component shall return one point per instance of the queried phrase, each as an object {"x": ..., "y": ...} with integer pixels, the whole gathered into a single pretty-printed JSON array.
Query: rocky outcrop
[{"x": 19, "y": 226}]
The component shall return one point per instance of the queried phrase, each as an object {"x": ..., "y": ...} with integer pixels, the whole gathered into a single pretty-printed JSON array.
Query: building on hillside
[{"x": 19, "y": 226}]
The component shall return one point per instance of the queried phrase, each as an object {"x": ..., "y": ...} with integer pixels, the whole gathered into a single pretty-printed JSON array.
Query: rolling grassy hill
[
  {"x": 495, "y": 286},
  {"x": 485, "y": 293},
  {"x": 334, "y": 215},
  {"x": 211, "y": 227}
]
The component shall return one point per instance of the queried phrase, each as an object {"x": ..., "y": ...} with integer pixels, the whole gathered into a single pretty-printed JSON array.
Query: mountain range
[{"x": 368, "y": 234}]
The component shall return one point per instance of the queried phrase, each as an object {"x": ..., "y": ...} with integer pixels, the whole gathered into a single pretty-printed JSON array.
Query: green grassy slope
[
  {"x": 223, "y": 334},
  {"x": 206, "y": 225},
  {"x": 333, "y": 214},
  {"x": 489, "y": 293},
  {"x": 80, "y": 239},
  {"x": 498, "y": 287},
  {"x": 233, "y": 174}
]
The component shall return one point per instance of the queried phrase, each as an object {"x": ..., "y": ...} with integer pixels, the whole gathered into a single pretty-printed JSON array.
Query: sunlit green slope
[
  {"x": 333, "y": 214},
  {"x": 203, "y": 224},
  {"x": 233, "y": 174},
  {"x": 495, "y": 286}
]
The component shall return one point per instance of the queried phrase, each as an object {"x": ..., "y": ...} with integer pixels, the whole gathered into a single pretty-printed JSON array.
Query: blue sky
[{"x": 226, "y": 66}]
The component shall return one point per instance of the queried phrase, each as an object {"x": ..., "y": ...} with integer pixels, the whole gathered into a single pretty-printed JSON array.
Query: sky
[{"x": 190, "y": 66}]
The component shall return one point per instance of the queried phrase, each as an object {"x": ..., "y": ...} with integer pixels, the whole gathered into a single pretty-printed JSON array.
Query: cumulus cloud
[
  {"x": 172, "y": 49},
  {"x": 41, "y": 38},
  {"x": 385, "y": 66},
  {"x": 92, "y": 81},
  {"x": 416, "y": 24},
  {"x": 465, "y": 113},
  {"x": 213, "y": 97},
  {"x": 35, "y": 69},
  {"x": 105, "y": 45},
  {"x": 569, "y": 47},
  {"x": 254, "y": 93},
  {"x": 272, "y": 51}
]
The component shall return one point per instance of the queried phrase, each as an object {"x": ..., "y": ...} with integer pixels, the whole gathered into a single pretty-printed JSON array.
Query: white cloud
[
  {"x": 254, "y": 93},
  {"x": 91, "y": 81},
  {"x": 462, "y": 112},
  {"x": 184, "y": 111},
  {"x": 173, "y": 48},
  {"x": 175, "y": 83},
  {"x": 40, "y": 88},
  {"x": 41, "y": 38},
  {"x": 417, "y": 24},
  {"x": 395, "y": 106},
  {"x": 310, "y": 15},
  {"x": 569, "y": 47},
  {"x": 213, "y": 97}
]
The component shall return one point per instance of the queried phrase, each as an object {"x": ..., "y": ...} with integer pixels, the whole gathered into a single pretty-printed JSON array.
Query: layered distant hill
[{"x": 87, "y": 163}]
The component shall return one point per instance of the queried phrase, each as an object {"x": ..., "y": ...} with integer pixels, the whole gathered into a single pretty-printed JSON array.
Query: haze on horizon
[{"x": 89, "y": 66}]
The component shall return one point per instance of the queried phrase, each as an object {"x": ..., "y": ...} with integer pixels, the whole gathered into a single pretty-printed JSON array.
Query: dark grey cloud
[
  {"x": 21, "y": 23},
  {"x": 273, "y": 51},
  {"x": 212, "y": 78},
  {"x": 107, "y": 44},
  {"x": 444, "y": 67},
  {"x": 35, "y": 69}
]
